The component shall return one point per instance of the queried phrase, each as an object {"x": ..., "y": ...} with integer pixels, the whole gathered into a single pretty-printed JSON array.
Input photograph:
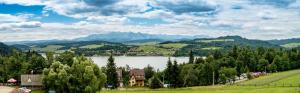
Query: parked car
[{"x": 23, "y": 90}]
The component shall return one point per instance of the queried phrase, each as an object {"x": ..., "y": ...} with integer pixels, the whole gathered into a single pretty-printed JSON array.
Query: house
[
  {"x": 31, "y": 80},
  {"x": 120, "y": 77},
  {"x": 137, "y": 77}
]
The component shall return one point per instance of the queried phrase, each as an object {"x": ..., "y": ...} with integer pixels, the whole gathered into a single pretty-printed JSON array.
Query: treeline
[
  {"x": 225, "y": 67},
  {"x": 220, "y": 67},
  {"x": 16, "y": 63}
]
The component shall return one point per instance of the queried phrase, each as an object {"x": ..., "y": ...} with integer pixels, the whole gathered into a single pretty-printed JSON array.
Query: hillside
[
  {"x": 287, "y": 43},
  {"x": 5, "y": 49},
  {"x": 205, "y": 46},
  {"x": 148, "y": 47}
]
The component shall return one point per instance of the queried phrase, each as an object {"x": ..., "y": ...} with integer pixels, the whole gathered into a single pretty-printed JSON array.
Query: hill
[
  {"x": 287, "y": 43},
  {"x": 5, "y": 49},
  {"x": 206, "y": 45},
  {"x": 148, "y": 47}
]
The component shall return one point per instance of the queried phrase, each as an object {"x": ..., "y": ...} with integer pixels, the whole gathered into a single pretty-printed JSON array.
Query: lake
[{"x": 158, "y": 62}]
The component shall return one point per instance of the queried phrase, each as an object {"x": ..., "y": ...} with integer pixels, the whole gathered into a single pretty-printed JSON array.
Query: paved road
[{"x": 5, "y": 89}]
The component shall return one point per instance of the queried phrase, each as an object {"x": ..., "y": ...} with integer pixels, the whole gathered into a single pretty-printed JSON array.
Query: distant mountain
[
  {"x": 130, "y": 36},
  {"x": 118, "y": 37}
]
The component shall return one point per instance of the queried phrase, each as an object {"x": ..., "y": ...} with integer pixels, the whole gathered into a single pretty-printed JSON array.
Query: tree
[
  {"x": 191, "y": 57},
  {"x": 149, "y": 72},
  {"x": 82, "y": 77},
  {"x": 279, "y": 63},
  {"x": 227, "y": 74},
  {"x": 125, "y": 74},
  {"x": 50, "y": 58},
  {"x": 176, "y": 80},
  {"x": 272, "y": 67},
  {"x": 189, "y": 75},
  {"x": 168, "y": 72},
  {"x": 200, "y": 60},
  {"x": 36, "y": 61},
  {"x": 66, "y": 58},
  {"x": 155, "y": 83},
  {"x": 262, "y": 65},
  {"x": 111, "y": 73}
]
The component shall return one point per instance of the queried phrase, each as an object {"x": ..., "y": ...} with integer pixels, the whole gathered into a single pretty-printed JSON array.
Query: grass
[
  {"x": 49, "y": 48},
  {"x": 211, "y": 48},
  {"x": 150, "y": 49},
  {"x": 216, "y": 40},
  {"x": 91, "y": 46},
  {"x": 174, "y": 45},
  {"x": 271, "y": 78},
  {"x": 221, "y": 89},
  {"x": 291, "y": 45}
]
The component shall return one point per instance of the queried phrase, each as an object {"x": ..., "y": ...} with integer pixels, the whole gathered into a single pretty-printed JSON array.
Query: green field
[
  {"x": 275, "y": 78},
  {"x": 291, "y": 45},
  {"x": 174, "y": 45},
  {"x": 48, "y": 48},
  {"x": 216, "y": 40},
  {"x": 211, "y": 48},
  {"x": 91, "y": 46}
]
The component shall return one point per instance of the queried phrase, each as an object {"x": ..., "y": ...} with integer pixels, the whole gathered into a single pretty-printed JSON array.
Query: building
[
  {"x": 137, "y": 77},
  {"x": 31, "y": 81},
  {"x": 120, "y": 77}
]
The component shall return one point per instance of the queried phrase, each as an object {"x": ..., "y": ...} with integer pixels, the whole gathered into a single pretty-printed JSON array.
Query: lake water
[{"x": 158, "y": 62}]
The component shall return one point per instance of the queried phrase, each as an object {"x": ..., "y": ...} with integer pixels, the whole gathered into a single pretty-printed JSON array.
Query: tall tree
[
  {"x": 111, "y": 73},
  {"x": 176, "y": 79},
  {"x": 149, "y": 72},
  {"x": 191, "y": 57},
  {"x": 168, "y": 72}
]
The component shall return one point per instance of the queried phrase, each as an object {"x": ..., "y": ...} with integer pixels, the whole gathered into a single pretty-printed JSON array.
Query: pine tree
[
  {"x": 191, "y": 55},
  {"x": 111, "y": 73},
  {"x": 176, "y": 80},
  {"x": 168, "y": 72}
]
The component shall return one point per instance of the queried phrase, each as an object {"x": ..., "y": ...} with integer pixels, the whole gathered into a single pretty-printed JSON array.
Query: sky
[{"x": 22, "y": 20}]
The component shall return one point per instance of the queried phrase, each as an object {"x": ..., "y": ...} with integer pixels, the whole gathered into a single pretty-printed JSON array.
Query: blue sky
[{"x": 66, "y": 19}]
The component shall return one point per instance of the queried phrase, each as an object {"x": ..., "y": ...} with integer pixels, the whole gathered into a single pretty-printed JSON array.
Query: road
[{"x": 5, "y": 89}]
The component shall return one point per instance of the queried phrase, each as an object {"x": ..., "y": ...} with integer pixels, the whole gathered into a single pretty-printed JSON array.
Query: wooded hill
[{"x": 152, "y": 47}]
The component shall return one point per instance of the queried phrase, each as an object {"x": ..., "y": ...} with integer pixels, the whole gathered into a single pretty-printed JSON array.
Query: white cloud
[
  {"x": 4, "y": 18},
  {"x": 23, "y": 2},
  {"x": 228, "y": 17}
]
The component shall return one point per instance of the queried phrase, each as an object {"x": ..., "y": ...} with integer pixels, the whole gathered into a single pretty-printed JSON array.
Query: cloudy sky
[{"x": 66, "y": 19}]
